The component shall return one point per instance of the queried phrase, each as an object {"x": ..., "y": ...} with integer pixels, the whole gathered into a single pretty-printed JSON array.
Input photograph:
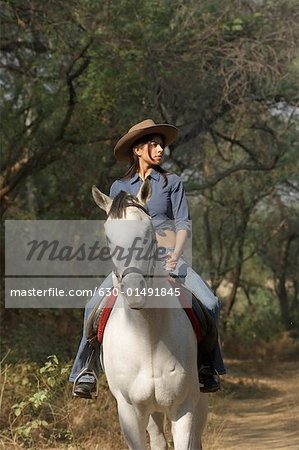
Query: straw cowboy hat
[{"x": 123, "y": 148}]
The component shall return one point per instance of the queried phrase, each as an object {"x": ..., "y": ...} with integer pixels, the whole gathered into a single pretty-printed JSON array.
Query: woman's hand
[{"x": 171, "y": 261}]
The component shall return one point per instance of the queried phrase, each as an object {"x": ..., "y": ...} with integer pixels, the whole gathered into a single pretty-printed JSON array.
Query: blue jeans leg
[
  {"x": 85, "y": 349},
  {"x": 202, "y": 291}
]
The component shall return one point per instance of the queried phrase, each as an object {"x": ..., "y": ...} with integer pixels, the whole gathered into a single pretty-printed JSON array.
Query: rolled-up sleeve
[{"x": 180, "y": 207}]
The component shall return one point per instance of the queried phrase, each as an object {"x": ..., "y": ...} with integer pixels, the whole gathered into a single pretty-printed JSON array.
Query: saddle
[
  {"x": 98, "y": 318},
  {"x": 202, "y": 323}
]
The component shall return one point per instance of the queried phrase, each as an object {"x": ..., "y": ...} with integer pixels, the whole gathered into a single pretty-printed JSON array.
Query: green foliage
[
  {"x": 78, "y": 74},
  {"x": 36, "y": 413},
  {"x": 37, "y": 333},
  {"x": 256, "y": 323}
]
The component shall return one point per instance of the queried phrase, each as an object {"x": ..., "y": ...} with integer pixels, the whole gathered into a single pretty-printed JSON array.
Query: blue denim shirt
[{"x": 167, "y": 206}]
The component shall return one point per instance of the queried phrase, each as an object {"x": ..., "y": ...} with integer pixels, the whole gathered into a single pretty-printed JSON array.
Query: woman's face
[{"x": 152, "y": 151}]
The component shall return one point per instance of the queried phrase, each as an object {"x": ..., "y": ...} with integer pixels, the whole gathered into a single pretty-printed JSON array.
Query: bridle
[
  {"x": 136, "y": 270},
  {"x": 127, "y": 271}
]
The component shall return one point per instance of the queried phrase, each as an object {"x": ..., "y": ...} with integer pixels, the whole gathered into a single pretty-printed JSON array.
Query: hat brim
[{"x": 123, "y": 148}]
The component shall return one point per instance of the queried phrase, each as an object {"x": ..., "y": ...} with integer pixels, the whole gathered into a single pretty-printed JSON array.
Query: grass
[{"x": 37, "y": 411}]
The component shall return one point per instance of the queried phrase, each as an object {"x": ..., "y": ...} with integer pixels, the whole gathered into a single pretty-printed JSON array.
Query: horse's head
[{"x": 131, "y": 239}]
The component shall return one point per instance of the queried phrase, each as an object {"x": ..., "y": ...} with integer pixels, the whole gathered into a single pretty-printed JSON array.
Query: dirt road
[{"x": 261, "y": 410}]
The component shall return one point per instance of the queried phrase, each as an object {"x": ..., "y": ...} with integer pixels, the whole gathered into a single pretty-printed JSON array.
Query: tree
[
  {"x": 233, "y": 221},
  {"x": 77, "y": 74}
]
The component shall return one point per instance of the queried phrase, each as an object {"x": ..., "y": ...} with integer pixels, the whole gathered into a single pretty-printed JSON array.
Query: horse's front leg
[
  {"x": 184, "y": 428},
  {"x": 133, "y": 424},
  {"x": 156, "y": 433}
]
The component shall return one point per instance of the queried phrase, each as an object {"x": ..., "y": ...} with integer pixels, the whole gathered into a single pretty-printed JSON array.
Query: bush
[
  {"x": 251, "y": 328},
  {"x": 34, "y": 407}
]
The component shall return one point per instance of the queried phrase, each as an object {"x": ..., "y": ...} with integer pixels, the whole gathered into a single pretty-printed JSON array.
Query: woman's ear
[{"x": 137, "y": 151}]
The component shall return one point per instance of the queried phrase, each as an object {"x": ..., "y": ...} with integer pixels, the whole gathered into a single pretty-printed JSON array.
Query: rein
[{"x": 128, "y": 270}]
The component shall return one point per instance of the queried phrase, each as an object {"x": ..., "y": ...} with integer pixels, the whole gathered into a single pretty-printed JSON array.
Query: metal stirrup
[{"x": 89, "y": 370}]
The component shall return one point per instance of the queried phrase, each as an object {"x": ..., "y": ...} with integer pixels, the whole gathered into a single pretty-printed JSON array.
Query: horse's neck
[
  {"x": 148, "y": 324},
  {"x": 158, "y": 315}
]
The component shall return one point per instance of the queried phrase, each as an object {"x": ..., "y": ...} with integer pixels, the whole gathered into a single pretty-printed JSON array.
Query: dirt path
[{"x": 261, "y": 411}]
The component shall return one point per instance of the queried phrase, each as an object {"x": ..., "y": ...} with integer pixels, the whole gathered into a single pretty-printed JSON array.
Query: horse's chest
[
  {"x": 156, "y": 379},
  {"x": 148, "y": 368},
  {"x": 160, "y": 391}
]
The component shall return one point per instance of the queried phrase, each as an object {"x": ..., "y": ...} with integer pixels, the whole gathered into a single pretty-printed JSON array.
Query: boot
[
  {"x": 85, "y": 389},
  {"x": 209, "y": 378},
  {"x": 88, "y": 389},
  {"x": 207, "y": 375}
]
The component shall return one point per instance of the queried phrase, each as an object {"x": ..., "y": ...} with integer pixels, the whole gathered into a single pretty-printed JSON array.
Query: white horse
[{"x": 149, "y": 353}]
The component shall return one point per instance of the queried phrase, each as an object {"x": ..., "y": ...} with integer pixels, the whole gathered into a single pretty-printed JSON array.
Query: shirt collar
[
  {"x": 154, "y": 175},
  {"x": 134, "y": 178}
]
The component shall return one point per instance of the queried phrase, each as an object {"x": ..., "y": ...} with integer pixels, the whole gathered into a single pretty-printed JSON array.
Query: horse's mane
[{"x": 121, "y": 202}]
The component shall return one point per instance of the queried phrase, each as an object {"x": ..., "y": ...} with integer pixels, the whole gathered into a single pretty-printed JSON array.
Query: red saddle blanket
[{"x": 184, "y": 300}]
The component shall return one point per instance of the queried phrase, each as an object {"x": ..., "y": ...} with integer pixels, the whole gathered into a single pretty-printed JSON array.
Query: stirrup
[
  {"x": 208, "y": 370},
  {"x": 83, "y": 372}
]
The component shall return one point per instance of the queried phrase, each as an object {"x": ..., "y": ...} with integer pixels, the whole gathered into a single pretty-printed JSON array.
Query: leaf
[
  {"x": 38, "y": 398},
  {"x": 17, "y": 412},
  {"x": 54, "y": 359},
  {"x": 237, "y": 24},
  {"x": 18, "y": 408},
  {"x": 237, "y": 27},
  {"x": 51, "y": 381}
]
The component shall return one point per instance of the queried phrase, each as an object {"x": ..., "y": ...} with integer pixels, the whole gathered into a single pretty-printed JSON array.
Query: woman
[{"x": 143, "y": 146}]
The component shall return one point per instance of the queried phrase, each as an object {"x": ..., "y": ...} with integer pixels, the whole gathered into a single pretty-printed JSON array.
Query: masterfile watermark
[
  {"x": 44, "y": 260},
  {"x": 53, "y": 251}
]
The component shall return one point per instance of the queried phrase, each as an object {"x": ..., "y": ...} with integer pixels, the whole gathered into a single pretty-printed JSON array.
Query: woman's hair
[{"x": 134, "y": 161}]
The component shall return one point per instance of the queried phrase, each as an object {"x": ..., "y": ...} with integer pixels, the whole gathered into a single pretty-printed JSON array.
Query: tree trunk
[
  {"x": 282, "y": 295},
  {"x": 239, "y": 265},
  {"x": 280, "y": 286}
]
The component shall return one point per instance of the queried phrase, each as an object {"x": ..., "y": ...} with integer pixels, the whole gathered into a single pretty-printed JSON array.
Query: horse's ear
[
  {"x": 102, "y": 200},
  {"x": 145, "y": 192}
]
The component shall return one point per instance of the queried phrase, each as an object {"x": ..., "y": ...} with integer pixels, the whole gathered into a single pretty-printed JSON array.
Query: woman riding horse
[{"x": 143, "y": 146}]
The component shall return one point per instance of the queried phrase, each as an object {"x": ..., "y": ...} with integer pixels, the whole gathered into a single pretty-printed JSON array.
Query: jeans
[{"x": 191, "y": 280}]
